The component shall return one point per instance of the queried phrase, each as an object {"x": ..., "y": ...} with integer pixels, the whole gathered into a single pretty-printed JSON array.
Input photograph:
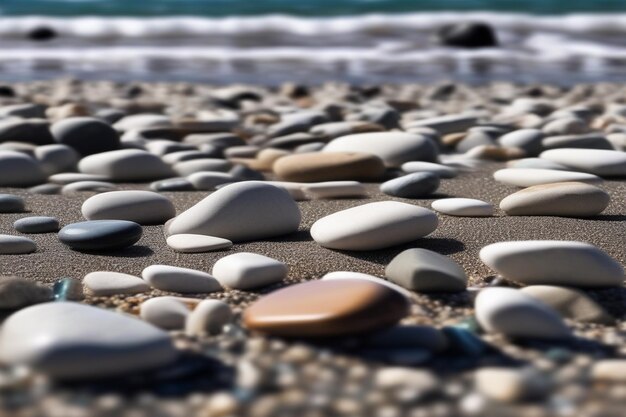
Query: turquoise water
[{"x": 219, "y": 8}]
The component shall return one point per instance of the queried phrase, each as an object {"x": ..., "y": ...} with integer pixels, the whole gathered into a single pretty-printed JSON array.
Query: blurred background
[{"x": 270, "y": 41}]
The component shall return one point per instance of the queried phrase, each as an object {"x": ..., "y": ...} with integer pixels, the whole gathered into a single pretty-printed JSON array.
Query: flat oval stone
[
  {"x": 45, "y": 189},
  {"x": 416, "y": 185},
  {"x": 426, "y": 271},
  {"x": 207, "y": 181},
  {"x": 172, "y": 184},
  {"x": 16, "y": 245},
  {"x": 553, "y": 262},
  {"x": 572, "y": 199},
  {"x": 329, "y": 166},
  {"x": 603, "y": 163},
  {"x": 374, "y": 226},
  {"x": 164, "y": 312},
  {"x": 246, "y": 271},
  {"x": 87, "y": 187},
  {"x": 104, "y": 283},
  {"x": 19, "y": 170},
  {"x": 186, "y": 168},
  {"x": 87, "y": 135},
  {"x": 366, "y": 277},
  {"x": 243, "y": 211},
  {"x": 527, "y": 177},
  {"x": 126, "y": 165},
  {"x": 518, "y": 315},
  {"x": 463, "y": 207},
  {"x": 182, "y": 280},
  {"x": 56, "y": 158},
  {"x": 209, "y": 317},
  {"x": 527, "y": 139},
  {"x": 327, "y": 308},
  {"x": 37, "y": 224},
  {"x": 442, "y": 171},
  {"x": 335, "y": 189},
  {"x": 10, "y": 203},
  {"x": 18, "y": 293},
  {"x": 71, "y": 177},
  {"x": 450, "y": 123},
  {"x": 394, "y": 148},
  {"x": 96, "y": 235},
  {"x": 538, "y": 163},
  {"x": 82, "y": 342},
  {"x": 143, "y": 207},
  {"x": 189, "y": 243}
]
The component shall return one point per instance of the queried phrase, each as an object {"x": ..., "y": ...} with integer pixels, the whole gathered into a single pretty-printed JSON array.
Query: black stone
[
  {"x": 100, "y": 235},
  {"x": 87, "y": 135},
  {"x": 6, "y": 91},
  {"x": 42, "y": 33},
  {"x": 36, "y": 132},
  {"x": 467, "y": 35},
  {"x": 172, "y": 184}
]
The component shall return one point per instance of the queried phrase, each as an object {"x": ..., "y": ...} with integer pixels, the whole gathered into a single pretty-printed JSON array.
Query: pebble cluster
[{"x": 248, "y": 336}]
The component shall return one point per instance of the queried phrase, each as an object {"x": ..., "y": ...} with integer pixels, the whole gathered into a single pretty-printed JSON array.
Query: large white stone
[
  {"x": 143, "y": 207},
  {"x": 188, "y": 243},
  {"x": 553, "y": 262},
  {"x": 527, "y": 177},
  {"x": 70, "y": 341},
  {"x": 246, "y": 271},
  {"x": 600, "y": 162},
  {"x": 182, "y": 280},
  {"x": 126, "y": 165},
  {"x": 394, "y": 148},
  {"x": 465, "y": 207},
  {"x": 241, "y": 211},
  {"x": 104, "y": 283},
  {"x": 374, "y": 226},
  {"x": 518, "y": 315}
]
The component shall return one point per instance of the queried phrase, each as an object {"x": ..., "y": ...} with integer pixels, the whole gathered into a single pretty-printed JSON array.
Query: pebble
[
  {"x": 394, "y": 148},
  {"x": 126, "y": 165},
  {"x": 167, "y": 313},
  {"x": 609, "y": 370},
  {"x": 587, "y": 141},
  {"x": 86, "y": 135},
  {"x": 510, "y": 385},
  {"x": 186, "y": 168},
  {"x": 10, "y": 203},
  {"x": 527, "y": 177},
  {"x": 56, "y": 158},
  {"x": 16, "y": 245},
  {"x": 463, "y": 207},
  {"x": 397, "y": 377},
  {"x": 329, "y": 166},
  {"x": 553, "y": 262},
  {"x": 19, "y": 170},
  {"x": 374, "y": 226},
  {"x": 35, "y": 131},
  {"x": 416, "y": 185},
  {"x": 452, "y": 123},
  {"x": 568, "y": 199},
  {"x": 248, "y": 271},
  {"x": 45, "y": 189},
  {"x": 335, "y": 189},
  {"x": 172, "y": 184},
  {"x": 189, "y": 243},
  {"x": 570, "y": 303},
  {"x": 442, "y": 171},
  {"x": 181, "y": 280},
  {"x": 537, "y": 163},
  {"x": 603, "y": 163},
  {"x": 16, "y": 293},
  {"x": 209, "y": 317},
  {"x": 65, "y": 178},
  {"x": 527, "y": 139},
  {"x": 367, "y": 277},
  {"x": 82, "y": 341},
  {"x": 105, "y": 283},
  {"x": 100, "y": 235},
  {"x": 426, "y": 271},
  {"x": 143, "y": 207},
  {"x": 37, "y": 224},
  {"x": 242, "y": 211},
  {"x": 518, "y": 315},
  {"x": 68, "y": 289},
  {"x": 88, "y": 187},
  {"x": 326, "y": 308},
  {"x": 207, "y": 181}
]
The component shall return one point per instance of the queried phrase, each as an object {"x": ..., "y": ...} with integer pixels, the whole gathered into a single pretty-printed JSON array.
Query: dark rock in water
[
  {"x": 42, "y": 33},
  {"x": 467, "y": 35},
  {"x": 6, "y": 91},
  {"x": 100, "y": 235},
  {"x": 17, "y": 293},
  {"x": 87, "y": 135}
]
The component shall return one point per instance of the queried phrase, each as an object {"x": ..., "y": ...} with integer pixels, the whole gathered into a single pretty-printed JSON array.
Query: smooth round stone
[
  {"x": 248, "y": 271},
  {"x": 45, "y": 189},
  {"x": 573, "y": 199},
  {"x": 374, "y": 226},
  {"x": 570, "y": 303},
  {"x": 82, "y": 342},
  {"x": 394, "y": 148},
  {"x": 37, "y": 224},
  {"x": 56, "y": 158},
  {"x": 166, "y": 313},
  {"x": 35, "y": 131},
  {"x": 143, "y": 207},
  {"x": 126, "y": 165},
  {"x": 518, "y": 315},
  {"x": 19, "y": 170},
  {"x": 327, "y": 308},
  {"x": 527, "y": 139},
  {"x": 538, "y": 163},
  {"x": 609, "y": 370},
  {"x": 422, "y": 270},
  {"x": 182, "y": 280},
  {"x": 10, "y": 203},
  {"x": 335, "y": 189},
  {"x": 87, "y": 187},
  {"x": 96, "y": 235},
  {"x": 87, "y": 135},
  {"x": 603, "y": 163},
  {"x": 172, "y": 184},
  {"x": 510, "y": 385},
  {"x": 395, "y": 378},
  {"x": 17, "y": 293},
  {"x": 142, "y": 121},
  {"x": 446, "y": 124},
  {"x": 207, "y": 181},
  {"x": 186, "y": 168},
  {"x": 442, "y": 171},
  {"x": 463, "y": 207},
  {"x": 366, "y": 277},
  {"x": 189, "y": 243},
  {"x": 16, "y": 245},
  {"x": 553, "y": 262},
  {"x": 588, "y": 141},
  {"x": 527, "y": 177},
  {"x": 65, "y": 178},
  {"x": 104, "y": 283},
  {"x": 329, "y": 166},
  {"x": 209, "y": 317},
  {"x": 239, "y": 212},
  {"x": 416, "y": 185}
]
